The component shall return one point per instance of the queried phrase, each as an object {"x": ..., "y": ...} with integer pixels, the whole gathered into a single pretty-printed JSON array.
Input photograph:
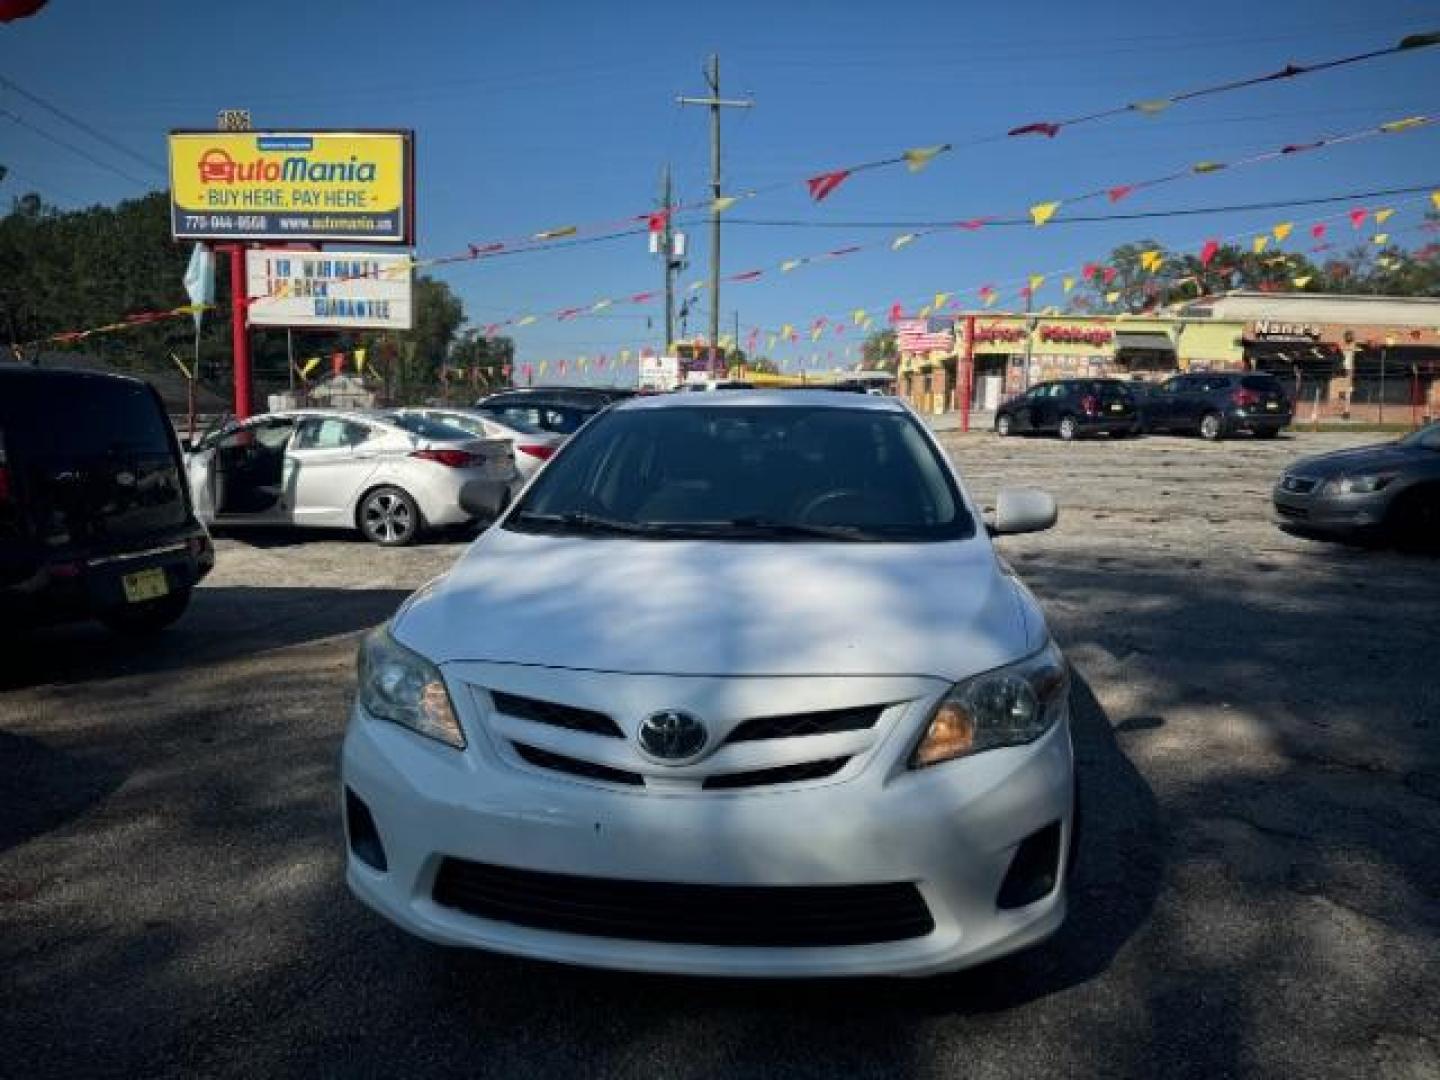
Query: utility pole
[
  {"x": 1029, "y": 338},
  {"x": 667, "y": 254},
  {"x": 737, "y": 333},
  {"x": 714, "y": 103}
]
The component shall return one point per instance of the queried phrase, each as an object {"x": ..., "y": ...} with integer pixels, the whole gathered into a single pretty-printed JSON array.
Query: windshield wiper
[
  {"x": 792, "y": 530},
  {"x": 578, "y": 521}
]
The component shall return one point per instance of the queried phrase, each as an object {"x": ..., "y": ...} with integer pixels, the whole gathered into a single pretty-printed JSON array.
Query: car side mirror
[{"x": 1022, "y": 510}]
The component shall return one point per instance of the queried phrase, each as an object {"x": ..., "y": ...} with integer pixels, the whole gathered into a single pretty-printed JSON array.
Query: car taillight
[
  {"x": 1245, "y": 398},
  {"x": 1089, "y": 404},
  {"x": 4, "y": 485},
  {"x": 455, "y": 459},
  {"x": 544, "y": 453}
]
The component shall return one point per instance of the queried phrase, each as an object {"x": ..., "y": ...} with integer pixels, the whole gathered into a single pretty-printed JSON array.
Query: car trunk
[
  {"x": 89, "y": 463},
  {"x": 1262, "y": 395}
]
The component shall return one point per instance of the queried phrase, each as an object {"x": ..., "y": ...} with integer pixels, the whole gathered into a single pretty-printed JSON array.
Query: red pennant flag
[
  {"x": 1088, "y": 271},
  {"x": 825, "y": 183},
  {"x": 569, "y": 313},
  {"x": 505, "y": 370},
  {"x": 1109, "y": 274},
  {"x": 1048, "y": 130},
  {"x": 1317, "y": 231},
  {"x": 1118, "y": 193},
  {"x": 1295, "y": 148},
  {"x": 843, "y": 251},
  {"x": 600, "y": 362},
  {"x": 657, "y": 221},
  {"x": 984, "y": 289},
  {"x": 641, "y": 297},
  {"x": 748, "y": 275},
  {"x": 490, "y": 329},
  {"x": 897, "y": 312},
  {"x": 1026, "y": 292},
  {"x": 1208, "y": 252},
  {"x": 487, "y": 249},
  {"x": 562, "y": 367},
  {"x": 839, "y": 328},
  {"x": 1357, "y": 216},
  {"x": 972, "y": 224}
]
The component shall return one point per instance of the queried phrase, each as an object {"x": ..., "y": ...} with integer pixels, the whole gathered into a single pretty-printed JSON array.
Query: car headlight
[
  {"x": 1358, "y": 485},
  {"x": 1009, "y": 706},
  {"x": 403, "y": 687}
]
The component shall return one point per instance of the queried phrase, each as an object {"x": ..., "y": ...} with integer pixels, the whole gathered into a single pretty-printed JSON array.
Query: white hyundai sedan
[{"x": 737, "y": 687}]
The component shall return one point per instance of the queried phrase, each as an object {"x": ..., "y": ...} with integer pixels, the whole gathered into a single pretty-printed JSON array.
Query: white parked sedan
[
  {"x": 737, "y": 687},
  {"x": 531, "y": 446},
  {"x": 389, "y": 478}
]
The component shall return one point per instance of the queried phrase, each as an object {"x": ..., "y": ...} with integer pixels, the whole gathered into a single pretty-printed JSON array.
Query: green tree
[{"x": 878, "y": 352}]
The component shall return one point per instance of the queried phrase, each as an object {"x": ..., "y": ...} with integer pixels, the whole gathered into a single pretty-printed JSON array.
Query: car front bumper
[
  {"x": 1353, "y": 515},
  {"x": 952, "y": 830},
  {"x": 1257, "y": 420}
]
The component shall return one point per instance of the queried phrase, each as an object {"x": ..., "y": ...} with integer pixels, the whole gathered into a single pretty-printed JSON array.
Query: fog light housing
[
  {"x": 1034, "y": 870},
  {"x": 364, "y": 836}
]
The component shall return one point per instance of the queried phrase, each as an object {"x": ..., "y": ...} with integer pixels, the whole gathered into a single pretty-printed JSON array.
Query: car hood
[
  {"x": 1361, "y": 459},
  {"x": 695, "y": 607}
]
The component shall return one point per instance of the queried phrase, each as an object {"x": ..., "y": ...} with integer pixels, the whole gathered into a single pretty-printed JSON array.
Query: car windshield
[
  {"x": 1427, "y": 438},
  {"x": 427, "y": 428},
  {"x": 517, "y": 424},
  {"x": 744, "y": 472}
]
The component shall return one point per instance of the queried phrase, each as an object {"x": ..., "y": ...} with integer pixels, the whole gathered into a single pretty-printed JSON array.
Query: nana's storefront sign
[{"x": 1273, "y": 330}]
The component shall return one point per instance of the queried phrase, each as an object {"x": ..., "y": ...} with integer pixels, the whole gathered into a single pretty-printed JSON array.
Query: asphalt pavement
[{"x": 1258, "y": 726}]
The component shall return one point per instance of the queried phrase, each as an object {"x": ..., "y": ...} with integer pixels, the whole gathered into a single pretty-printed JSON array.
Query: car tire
[
  {"x": 1069, "y": 428},
  {"x": 1212, "y": 427},
  {"x": 149, "y": 616},
  {"x": 388, "y": 516},
  {"x": 1413, "y": 521},
  {"x": 1004, "y": 426}
]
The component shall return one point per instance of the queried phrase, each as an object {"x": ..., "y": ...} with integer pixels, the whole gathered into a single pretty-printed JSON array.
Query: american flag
[{"x": 923, "y": 335}]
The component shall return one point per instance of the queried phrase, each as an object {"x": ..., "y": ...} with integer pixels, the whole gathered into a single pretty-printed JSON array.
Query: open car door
[{"x": 247, "y": 471}]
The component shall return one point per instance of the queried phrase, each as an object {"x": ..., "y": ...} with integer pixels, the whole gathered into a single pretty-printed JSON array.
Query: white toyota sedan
[{"x": 738, "y": 686}]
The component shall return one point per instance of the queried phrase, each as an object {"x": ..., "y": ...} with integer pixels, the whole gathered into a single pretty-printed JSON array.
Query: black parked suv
[
  {"x": 1070, "y": 408},
  {"x": 95, "y": 515},
  {"x": 1216, "y": 404},
  {"x": 561, "y": 409}
]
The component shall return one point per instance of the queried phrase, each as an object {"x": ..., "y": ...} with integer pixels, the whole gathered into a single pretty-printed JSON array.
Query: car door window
[{"x": 329, "y": 433}]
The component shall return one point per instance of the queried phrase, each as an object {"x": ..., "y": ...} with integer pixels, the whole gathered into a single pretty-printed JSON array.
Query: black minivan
[{"x": 95, "y": 515}]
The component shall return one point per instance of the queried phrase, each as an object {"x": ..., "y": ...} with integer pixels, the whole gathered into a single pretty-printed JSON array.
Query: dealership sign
[
  {"x": 659, "y": 372},
  {"x": 267, "y": 185},
  {"x": 358, "y": 290}
]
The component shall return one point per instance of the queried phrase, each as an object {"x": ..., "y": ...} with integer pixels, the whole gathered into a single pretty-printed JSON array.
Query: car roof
[
  {"x": 28, "y": 371},
  {"x": 778, "y": 398}
]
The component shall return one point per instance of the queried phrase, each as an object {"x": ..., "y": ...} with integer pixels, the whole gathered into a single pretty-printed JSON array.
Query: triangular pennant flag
[
  {"x": 641, "y": 297},
  {"x": 1066, "y": 284},
  {"x": 601, "y": 305},
  {"x": 989, "y": 297},
  {"x": 1040, "y": 213},
  {"x": 1382, "y": 216},
  {"x": 1117, "y": 193},
  {"x": 1026, "y": 292},
  {"x": 543, "y": 364},
  {"x": 1208, "y": 252},
  {"x": 1153, "y": 106},
  {"x": 1358, "y": 216},
  {"x": 1381, "y": 238},
  {"x": 1041, "y": 128},
  {"x": 1435, "y": 198},
  {"x": 1109, "y": 274},
  {"x": 920, "y": 156},
  {"x": 896, "y": 312},
  {"x": 1259, "y": 244},
  {"x": 309, "y": 366},
  {"x": 901, "y": 241},
  {"x": 695, "y": 286},
  {"x": 1207, "y": 166},
  {"x": 1088, "y": 271},
  {"x": 1301, "y": 282},
  {"x": 972, "y": 223},
  {"x": 360, "y": 360},
  {"x": 1112, "y": 297},
  {"x": 555, "y": 234},
  {"x": 1036, "y": 280},
  {"x": 1150, "y": 260},
  {"x": 787, "y": 330},
  {"x": 656, "y": 222},
  {"x": 723, "y": 203},
  {"x": 748, "y": 275},
  {"x": 858, "y": 315},
  {"x": 923, "y": 313},
  {"x": 940, "y": 299},
  {"x": 790, "y": 264},
  {"x": 525, "y": 320},
  {"x": 770, "y": 343},
  {"x": 1404, "y": 125},
  {"x": 1282, "y": 230},
  {"x": 1317, "y": 231},
  {"x": 815, "y": 332},
  {"x": 822, "y": 185}
]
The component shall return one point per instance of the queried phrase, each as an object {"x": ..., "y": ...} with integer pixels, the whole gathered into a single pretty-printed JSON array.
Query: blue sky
[{"x": 534, "y": 115}]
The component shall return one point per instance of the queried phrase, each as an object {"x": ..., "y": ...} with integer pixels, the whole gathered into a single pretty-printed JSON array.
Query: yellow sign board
[{"x": 274, "y": 185}]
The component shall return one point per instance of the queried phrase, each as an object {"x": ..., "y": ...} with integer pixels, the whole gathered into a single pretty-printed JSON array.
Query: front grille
[
  {"x": 1291, "y": 511},
  {"x": 1301, "y": 485},
  {"x": 736, "y": 916},
  {"x": 544, "y": 759},
  {"x": 570, "y": 717},
  {"x": 782, "y": 774},
  {"x": 818, "y": 723}
]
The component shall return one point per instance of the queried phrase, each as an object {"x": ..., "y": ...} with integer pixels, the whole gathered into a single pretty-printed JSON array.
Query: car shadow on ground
[
  {"x": 222, "y": 622},
  {"x": 267, "y": 537},
  {"x": 44, "y": 788}
]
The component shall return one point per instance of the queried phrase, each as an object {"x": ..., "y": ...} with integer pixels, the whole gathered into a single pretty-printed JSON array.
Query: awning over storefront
[{"x": 1149, "y": 340}]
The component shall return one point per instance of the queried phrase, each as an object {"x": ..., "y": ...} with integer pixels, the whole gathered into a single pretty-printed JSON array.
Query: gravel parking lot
[{"x": 1259, "y": 892}]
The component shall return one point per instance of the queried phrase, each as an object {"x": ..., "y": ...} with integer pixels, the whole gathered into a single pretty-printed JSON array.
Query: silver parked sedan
[
  {"x": 532, "y": 445},
  {"x": 389, "y": 477}
]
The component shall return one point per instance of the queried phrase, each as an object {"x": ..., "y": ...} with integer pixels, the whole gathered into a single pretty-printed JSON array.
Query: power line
[
  {"x": 75, "y": 149},
  {"x": 94, "y": 133}
]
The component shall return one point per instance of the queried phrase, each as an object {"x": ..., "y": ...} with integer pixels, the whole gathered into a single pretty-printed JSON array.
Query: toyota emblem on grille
[{"x": 672, "y": 735}]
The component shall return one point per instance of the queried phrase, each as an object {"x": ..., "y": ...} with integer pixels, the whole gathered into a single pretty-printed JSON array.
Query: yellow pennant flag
[
  {"x": 1151, "y": 259},
  {"x": 600, "y": 305},
  {"x": 788, "y": 265},
  {"x": 1066, "y": 284},
  {"x": 1435, "y": 198},
  {"x": 695, "y": 286},
  {"x": 723, "y": 203},
  {"x": 920, "y": 156},
  {"x": 990, "y": 297},
  {"x": 525, "y": 320},
  {"x": 180, "y": 364},
  {"x": 786, "y": 330},
  {"x": 1040, "y": 213},
  {"x": 815, "y": 332},
  {"x": 542, "y": 366},
  {"x": 770, "y": 344},
  {"x": 624, "y": 356},
  {"x": 1153, "y": 106},
  {"x": 1301, "y": 282},
  {"x": 1259, "y": 244},
  {"x": 901, "y": 241},
  {"x": 1381, "y": 238},
  {"x": 556, "y": 234},
  {"x": 360, "y": 360},
  {"x": 858, "y": 315},
  {"x": 1282, "y": 230},
  {"x": 580, "y": 363},
  {"x": 1036, "y": 280},
  {"x": 1403, "y": 125},
  {"x": 1207, "y": 166},
  {"x": 940, "y": 299},
  {"x": 1112, "y": 297},
  {"x": 309, "y": 366},
  {"x": 1382, "y": 216},
  {"x": 923, "y": 313}
]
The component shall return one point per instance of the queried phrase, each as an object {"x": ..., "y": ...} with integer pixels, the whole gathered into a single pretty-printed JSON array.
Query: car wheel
[
  {"x": 1069, "y": 428},
  {"x": 1004, "y": 425},
  {"x": 1212, "y": 428},
  {"x": 1414, "y": 519},
  {"x": 389, "y": 517},
  {"x": 149, "y": 616}
]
